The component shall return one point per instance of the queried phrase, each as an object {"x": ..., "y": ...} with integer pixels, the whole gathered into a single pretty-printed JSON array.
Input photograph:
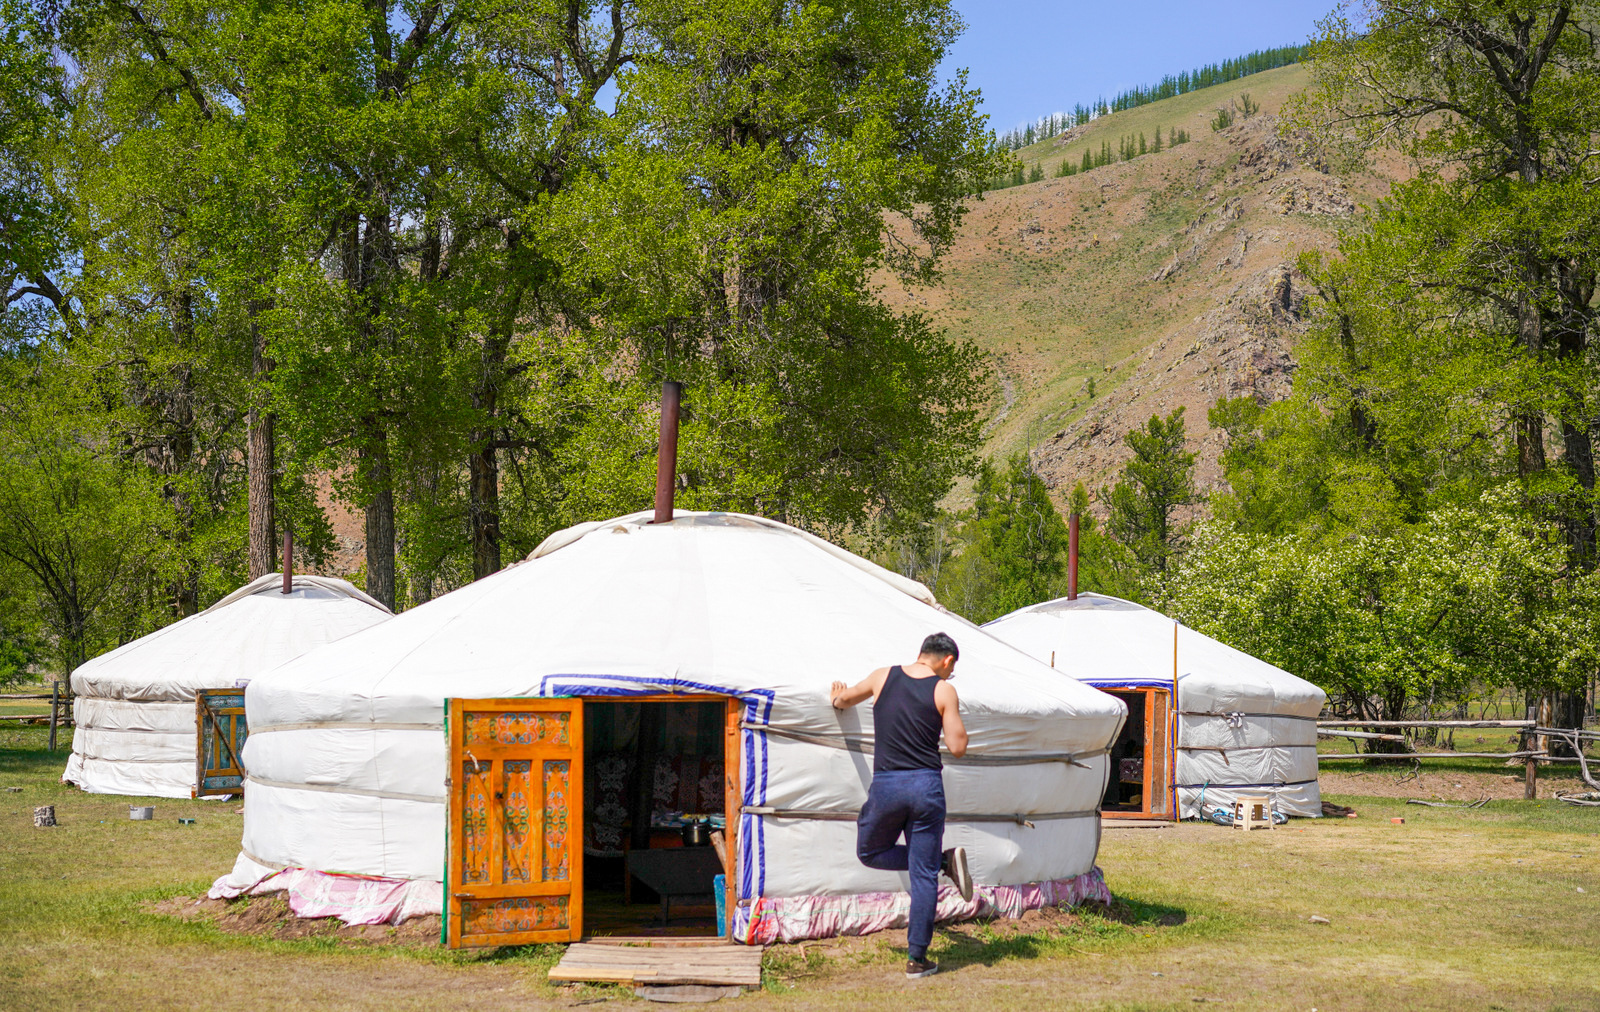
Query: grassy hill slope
[{"x": 1163, "y": 281}]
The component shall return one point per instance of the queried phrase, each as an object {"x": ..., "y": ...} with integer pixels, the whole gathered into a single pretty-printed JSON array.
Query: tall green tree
[
  {"x": 1159, "y": 479},
  {"x": 1465, "y": 311},
  {"x": 85, "y": 531},
  {"x": 773, "y": 159},
  {"x": 1500, "y": 105}
]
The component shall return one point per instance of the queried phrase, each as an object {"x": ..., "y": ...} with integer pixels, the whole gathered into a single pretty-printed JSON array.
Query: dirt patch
[
  {"x": 270, "y": 917},
  {"x": 1395, "y": 780}
]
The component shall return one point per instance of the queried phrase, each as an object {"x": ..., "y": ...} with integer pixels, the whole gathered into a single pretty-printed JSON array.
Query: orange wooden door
[{"x": 514, "y": 857}]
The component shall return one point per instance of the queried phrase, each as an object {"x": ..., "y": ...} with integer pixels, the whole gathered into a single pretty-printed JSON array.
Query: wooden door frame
[
  {"x": 1158, "y": 752},
  {"x": 206, "y": 715}
]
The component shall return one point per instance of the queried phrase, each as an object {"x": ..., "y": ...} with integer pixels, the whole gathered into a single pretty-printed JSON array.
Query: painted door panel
[
  {"x": 220, "y": 731},
  {"x": 514, "y": 861}
]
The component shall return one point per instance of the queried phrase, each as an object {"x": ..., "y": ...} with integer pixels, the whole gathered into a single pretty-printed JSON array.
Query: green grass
[{"x": 1454, "y": 909}]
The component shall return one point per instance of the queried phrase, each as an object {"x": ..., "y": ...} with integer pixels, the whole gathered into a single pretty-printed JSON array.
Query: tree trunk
[
  {"x": 1578, "y": 450},
  {"x": 373, "y": 462},
  {"x": 484, "y": 507},
  {"x": 1559, "y": 709},
  {"x": 483, "y": 483},
  {"x": 173, "y": 454},
  {"x": 1529, "y": 422},
  {"x": 262, "y": 465}
]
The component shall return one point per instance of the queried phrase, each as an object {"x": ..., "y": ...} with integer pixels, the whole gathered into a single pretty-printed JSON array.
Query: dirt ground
[
  {"x": 269, "y": 916},
  {"x": 1430, "y": 782}
]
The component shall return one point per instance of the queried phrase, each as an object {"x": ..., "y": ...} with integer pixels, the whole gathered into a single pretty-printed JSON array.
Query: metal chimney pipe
[
  {"x": 667, "y": 455},
  {"x": 1072, "y": 557},
  {"x": 288, "y": 560}
]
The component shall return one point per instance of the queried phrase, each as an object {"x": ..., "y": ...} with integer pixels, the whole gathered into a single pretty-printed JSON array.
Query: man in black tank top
[{"x": 911, "y": 706}]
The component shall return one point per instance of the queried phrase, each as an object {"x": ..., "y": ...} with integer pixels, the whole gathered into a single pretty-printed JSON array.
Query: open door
[
  {"x": 1140, "y": 786},
  {"x": 220, "y": 731},
  {"x": 514, "y": 858}
]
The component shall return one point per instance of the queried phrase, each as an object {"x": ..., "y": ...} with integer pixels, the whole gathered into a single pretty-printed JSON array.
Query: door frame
[
  {"x": 1159, "y": 720},
  {"x": 732, "y": 755}
]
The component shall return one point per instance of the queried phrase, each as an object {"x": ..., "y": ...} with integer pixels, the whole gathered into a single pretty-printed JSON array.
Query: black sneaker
[
  {"x": 923, "y": 967},
  {"x": 954, "y": 867}
]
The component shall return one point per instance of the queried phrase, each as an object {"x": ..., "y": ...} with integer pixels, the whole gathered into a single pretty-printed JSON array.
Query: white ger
[
  {"x": 347, "y": 759},
  {"x": 1241, "y": 726},
  {"x": 134, "y": 710}
]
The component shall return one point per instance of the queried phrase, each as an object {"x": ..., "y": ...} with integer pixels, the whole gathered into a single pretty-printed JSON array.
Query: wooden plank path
[{"x": 715, "y": 964}]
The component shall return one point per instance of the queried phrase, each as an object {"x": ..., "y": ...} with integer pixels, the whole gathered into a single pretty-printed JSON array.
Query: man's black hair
[{"x": 941, "y": 645}]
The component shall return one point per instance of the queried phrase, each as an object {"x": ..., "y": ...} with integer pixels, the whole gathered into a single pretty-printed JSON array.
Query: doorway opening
[
  {"x": 657, "y": 788},
  {"x": 1139, "y": 785}
]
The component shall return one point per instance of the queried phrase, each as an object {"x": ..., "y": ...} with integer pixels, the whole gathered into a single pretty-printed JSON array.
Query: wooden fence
[
  {"x": 60, "y": 709},
  {"x": 1529, "y": 750}
]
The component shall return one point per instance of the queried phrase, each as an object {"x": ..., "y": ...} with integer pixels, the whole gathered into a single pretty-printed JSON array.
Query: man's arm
[
  {"x": 955, "y": 732},
  {"x": 844, "y": 696}
]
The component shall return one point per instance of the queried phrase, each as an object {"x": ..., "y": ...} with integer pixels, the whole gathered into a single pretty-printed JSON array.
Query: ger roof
[
  {"x": 1109, "y": 642},
  {"x": 710, "y": 602},
  {"x": 252, "y": 630}
]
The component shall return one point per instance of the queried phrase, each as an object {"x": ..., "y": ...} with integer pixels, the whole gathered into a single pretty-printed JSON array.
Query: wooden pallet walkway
[{"x": 716, "y": 964}]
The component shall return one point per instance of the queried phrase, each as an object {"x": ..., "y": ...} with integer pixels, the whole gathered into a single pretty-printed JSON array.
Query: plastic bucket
[
  {"x": 143, "y": 813},
  {"x": 719, "y": 886}
]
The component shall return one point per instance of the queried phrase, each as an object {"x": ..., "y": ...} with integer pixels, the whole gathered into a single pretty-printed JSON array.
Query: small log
[
  {"x": 1426, "y": 723},
  {"x": 44, "y": 816},
  {"x": 1428, "y": 755},
  {"x": 1361, "y": 734}
]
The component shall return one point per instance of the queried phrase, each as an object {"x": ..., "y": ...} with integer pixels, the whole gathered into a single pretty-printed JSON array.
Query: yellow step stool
[{"x": 1253, "y": 810}]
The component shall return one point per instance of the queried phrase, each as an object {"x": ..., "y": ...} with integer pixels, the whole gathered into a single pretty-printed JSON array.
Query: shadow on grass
[{"x": 1090, "y": 929}]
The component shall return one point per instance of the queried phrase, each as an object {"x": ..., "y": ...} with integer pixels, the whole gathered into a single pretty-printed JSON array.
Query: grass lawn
[{"x": 1455, "y": 909}]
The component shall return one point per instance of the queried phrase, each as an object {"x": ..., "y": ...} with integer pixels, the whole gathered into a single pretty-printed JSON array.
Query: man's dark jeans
[{"x": 909, "y": 802}]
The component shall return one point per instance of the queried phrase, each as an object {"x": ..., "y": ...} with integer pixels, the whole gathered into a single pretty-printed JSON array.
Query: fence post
[
  {"x": 1530, "y": 767},
  {"x": 55, "y": 695}
]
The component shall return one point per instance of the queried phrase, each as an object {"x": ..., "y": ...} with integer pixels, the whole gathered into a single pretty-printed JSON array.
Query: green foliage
[
  {"x": 33, "y": 240},
  {"x": 419, "y": 247},
  {"x": 84, "y": 531},
  {"x": 1399, "y": 530},
  {"x": 21, "y": 646},
  {"x": 1247, "y": 106},
  {"x": 733, "y": 235},
  {"x": 1222, "y": 120},
  {"x": 1462, "y": 598},
  {"x": 1150, "y": 489}
]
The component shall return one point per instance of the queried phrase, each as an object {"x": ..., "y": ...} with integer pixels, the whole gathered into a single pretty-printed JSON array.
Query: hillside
[{"x": 1165, "y": 281}]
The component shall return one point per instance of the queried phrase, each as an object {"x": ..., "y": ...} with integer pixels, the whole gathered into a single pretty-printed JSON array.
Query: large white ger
[
  {"x": 347, "y": 758},
  {"x": 1238, "y": 725},
  {"x": 135, "y": 706}
]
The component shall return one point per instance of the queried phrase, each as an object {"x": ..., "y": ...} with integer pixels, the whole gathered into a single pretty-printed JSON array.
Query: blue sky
[{"x": 1033, "y": 57}]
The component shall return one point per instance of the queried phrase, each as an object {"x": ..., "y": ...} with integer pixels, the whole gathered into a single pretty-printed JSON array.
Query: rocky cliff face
[{"x": 1169, "y": 280}]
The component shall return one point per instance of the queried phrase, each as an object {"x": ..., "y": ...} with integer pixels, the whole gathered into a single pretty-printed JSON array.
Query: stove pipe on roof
[{"x": 667, "y": 455}]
